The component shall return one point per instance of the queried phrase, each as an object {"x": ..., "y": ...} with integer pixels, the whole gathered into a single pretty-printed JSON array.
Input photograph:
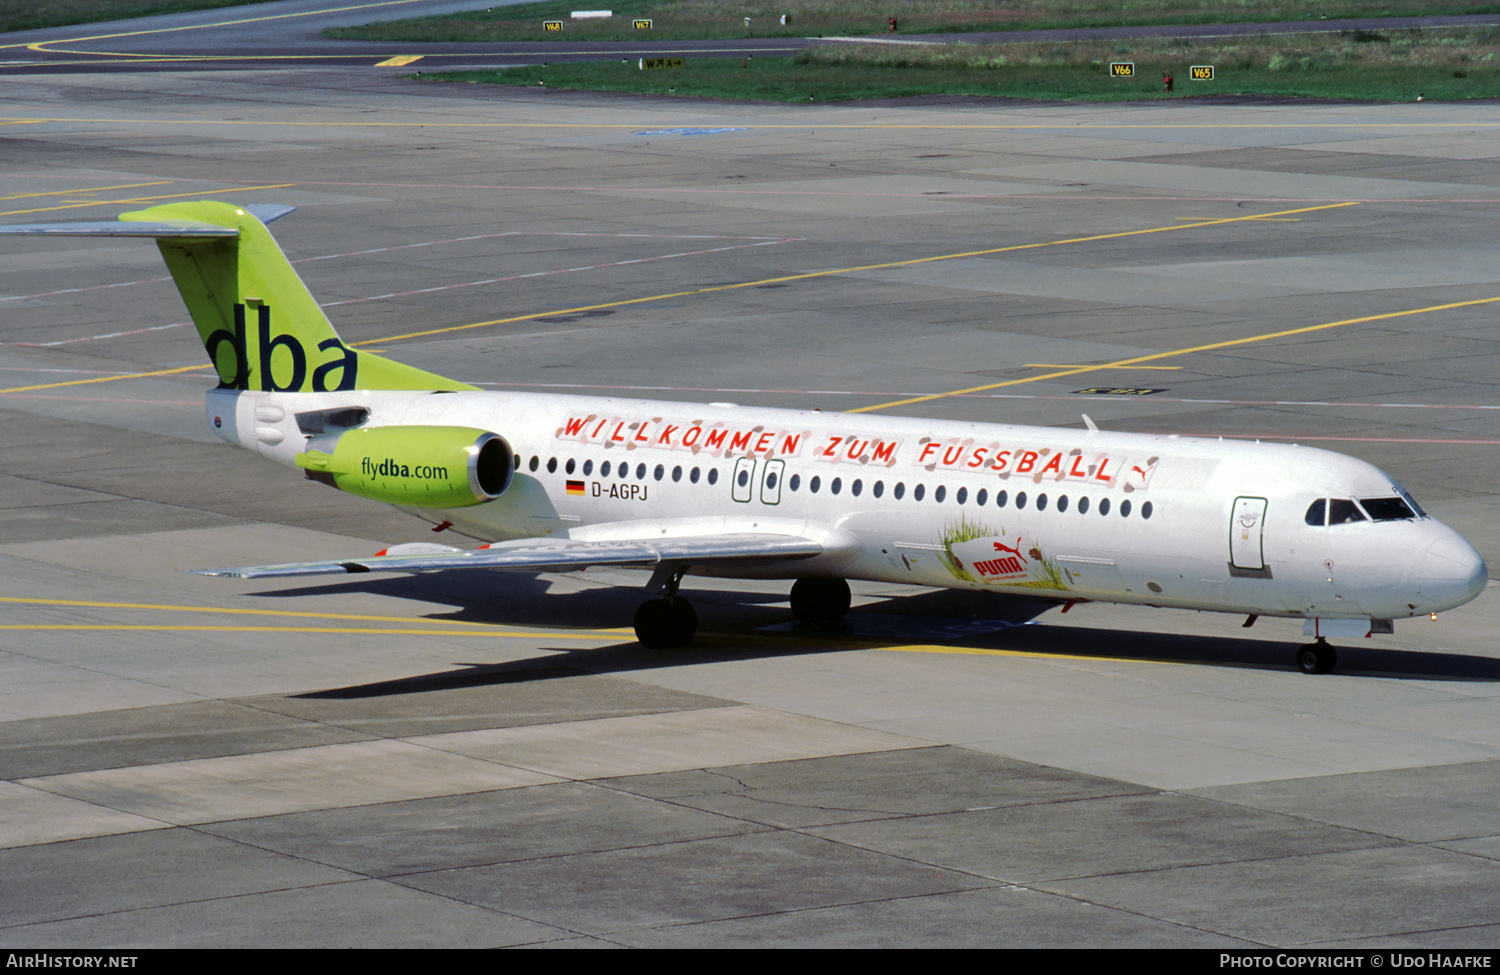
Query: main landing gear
[
  {"x": 664, "y": 623},
  {"x": 670, "y": 621},
  {"x": 1317, "y": 657},
  {"x": 820, "y": 600}
]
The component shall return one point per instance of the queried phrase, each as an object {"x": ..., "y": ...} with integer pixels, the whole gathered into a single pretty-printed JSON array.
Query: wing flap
[{"x": 557, "y": 555}]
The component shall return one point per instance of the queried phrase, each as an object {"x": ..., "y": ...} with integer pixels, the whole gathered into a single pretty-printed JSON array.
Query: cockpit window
[
  {"x": 1317, "y": 512},
  {"x": 1342, "y": 511},
  {"x": 1387, "y": 509}
]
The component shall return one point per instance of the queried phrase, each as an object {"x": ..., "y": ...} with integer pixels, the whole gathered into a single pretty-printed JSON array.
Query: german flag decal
[{"x": 575, "y": 487}]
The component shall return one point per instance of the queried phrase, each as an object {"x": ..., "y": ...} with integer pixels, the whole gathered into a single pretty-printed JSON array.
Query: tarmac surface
[{"x": 478, "y": 759}]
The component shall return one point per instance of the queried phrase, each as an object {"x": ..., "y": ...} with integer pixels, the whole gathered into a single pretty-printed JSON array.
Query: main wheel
[
  {"x": 664, "y": 623},
  {"x": 820, "y": 600},
  {"x": 1317, "y": 658}
]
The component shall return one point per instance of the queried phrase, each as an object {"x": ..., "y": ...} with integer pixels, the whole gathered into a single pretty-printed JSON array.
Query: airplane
[{"x": 557, "y": 483}]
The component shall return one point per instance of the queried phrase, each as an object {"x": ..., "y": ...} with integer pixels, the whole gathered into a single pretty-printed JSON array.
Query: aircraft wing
[{"x": 559, "y": 555}]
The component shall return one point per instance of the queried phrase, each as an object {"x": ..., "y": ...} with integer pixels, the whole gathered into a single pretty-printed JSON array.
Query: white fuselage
[{"x": 1044, "y": 511}]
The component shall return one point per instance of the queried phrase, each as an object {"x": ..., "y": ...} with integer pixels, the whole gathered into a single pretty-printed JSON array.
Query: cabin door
[
  {"x": 770, "y": 482},
  {"x": 742, "y": 486},
  {"x": 1246, "y": 544}
]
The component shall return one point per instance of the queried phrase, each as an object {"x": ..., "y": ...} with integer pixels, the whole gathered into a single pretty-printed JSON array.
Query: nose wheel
[{"x": 1317, "y": 658}]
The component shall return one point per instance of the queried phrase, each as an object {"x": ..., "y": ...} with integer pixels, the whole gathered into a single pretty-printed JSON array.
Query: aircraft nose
[{"x": 1452, "y": 572}]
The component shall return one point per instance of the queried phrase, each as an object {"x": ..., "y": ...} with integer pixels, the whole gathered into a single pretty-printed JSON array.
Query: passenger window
[
  {"x": 660, "y": 470},
  {"x": 900, "y": 490},
  {"x": 1083, "y": 505},
  {"x": 837, "y": 485},
  {"x": 640, "y": 472},
  {"x": 588, "y": 468},
  {"x": 1020, "y": 499},
  {"x": 1041, "y": 502},
  {"x": 1001, "y": 498},
  {"x": 1104, "y": 506},
  {"x": 962, "y": 495},
  {"x": 676, "y": 473},
  {"x": 1146, "y": 510},
  {"x": 855, "y": 488},
  {"x": 879, "y": 488},
  {"x": 693, "y": 476},
  {"x": 1062, "y": 502},
  {"x": 795, "y": 482},
  {"x": 814, "y": 484},
  {"x": 604, "y": 469},
  {"x": 939, "y": 494},
  {"x": 981, "y": 497},
  {"x": 569, "y": 466},
  {"x": 535, "y": 463},
  {"x": 713, "y": 475},
  {"x": 1125, "y": 509},
  {"x": 917, "y": 492},
  {"x": 551, "y": 465}
]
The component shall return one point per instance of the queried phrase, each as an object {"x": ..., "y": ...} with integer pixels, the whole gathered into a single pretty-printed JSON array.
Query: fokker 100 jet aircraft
[{"x": 556, "y": 483}]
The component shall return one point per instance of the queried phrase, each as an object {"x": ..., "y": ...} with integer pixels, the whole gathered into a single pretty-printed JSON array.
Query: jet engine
[{"x": 416, "y": 466}]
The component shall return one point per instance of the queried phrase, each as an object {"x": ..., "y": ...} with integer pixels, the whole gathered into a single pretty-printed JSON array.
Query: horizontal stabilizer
[
  {"x": 190, "y": 229},
  {"x": 559, "y": 555},
  {"x": 116, "y": 228}
]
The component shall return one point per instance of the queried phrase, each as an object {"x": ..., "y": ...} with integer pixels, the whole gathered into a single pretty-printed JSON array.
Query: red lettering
[
  {"x": 763, "y": 442},
  {"x": 715, "y": 439},
  {"x": 884, "y": 451},
  {"x": 740, "y": 440},
  {"x": 1027, "y": 462},
  {"x": 666, "y": 435},
  {"x": 927, "y": 451},
  {"x": 952, "y": 456},
  {"x": 1054, "y": 465},
  {"x": 1001, "y": 459},
  {"x": 615, "y": 434},
  {"x": 789, "y": 444},
  {"x": 978, "y": 456},
  {"x": 598, "y": 428},
  {"x": 856, "y": 447},
  {"x": 692, "y": 435},
  {"x": 639, "y": 434},
  {"x": 1099, "y": 475},
  {"x": 1074, "y": 471},
  {"x": 574, "y": 426},
  {"x": 832, "y": 446}
]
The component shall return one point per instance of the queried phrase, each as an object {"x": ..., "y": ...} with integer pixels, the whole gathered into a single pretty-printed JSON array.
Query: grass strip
[
  {"x": 720, "y": 19},
  {"x": 1358, "y": 65}
]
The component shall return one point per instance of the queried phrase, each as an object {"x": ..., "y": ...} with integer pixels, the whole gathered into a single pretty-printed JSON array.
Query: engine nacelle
[{"x": 417, "y": 466}]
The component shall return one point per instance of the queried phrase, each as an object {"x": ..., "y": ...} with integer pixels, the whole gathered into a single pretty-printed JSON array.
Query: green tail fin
[{"x": 260, "y": 326}]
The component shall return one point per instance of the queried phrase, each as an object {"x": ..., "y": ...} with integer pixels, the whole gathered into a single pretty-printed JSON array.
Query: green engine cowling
[{"x": 417, "y": 466}]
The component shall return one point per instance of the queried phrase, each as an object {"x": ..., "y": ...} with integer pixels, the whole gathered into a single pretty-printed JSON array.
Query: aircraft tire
[
  {"x": 1317, "y": 658},
  {"x": 661, "y": 624},
  {"x": 820, "y": 600}
]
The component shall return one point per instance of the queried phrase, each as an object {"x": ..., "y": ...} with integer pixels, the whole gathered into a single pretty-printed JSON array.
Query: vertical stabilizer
[{"x": 260, "y": 326}]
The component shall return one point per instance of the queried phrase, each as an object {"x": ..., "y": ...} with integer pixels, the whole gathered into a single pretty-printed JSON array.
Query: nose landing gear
[{"x": 1317, "y": 657}]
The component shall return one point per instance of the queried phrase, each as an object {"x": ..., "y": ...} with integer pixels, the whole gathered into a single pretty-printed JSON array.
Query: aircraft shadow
[{"x": 737, "y": 625}]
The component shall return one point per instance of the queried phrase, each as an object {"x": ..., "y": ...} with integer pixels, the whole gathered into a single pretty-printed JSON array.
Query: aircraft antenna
[{"x": 1089, "y": 423}]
